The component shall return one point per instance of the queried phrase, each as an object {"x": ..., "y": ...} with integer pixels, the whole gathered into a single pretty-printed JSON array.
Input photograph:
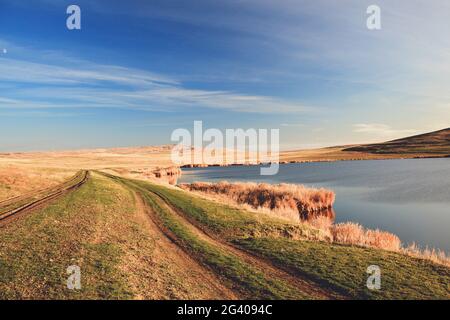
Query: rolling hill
[{"x": 436, "y": 143}]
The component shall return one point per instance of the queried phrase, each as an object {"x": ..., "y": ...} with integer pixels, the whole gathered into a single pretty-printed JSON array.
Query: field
[
  {"x": 17, "y": 180},
  {"x": 25, "y": 170},
  {"x": 141, "y": 240},
  {"x": 114, "y": 214},
  {"x": 41, "y": 169}
]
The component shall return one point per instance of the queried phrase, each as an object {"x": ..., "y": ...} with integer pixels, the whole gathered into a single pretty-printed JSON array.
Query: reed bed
[
  {"x": 295, "y": 199},
  {"x": 351, "y": 233},
  {"x": 300, "y": 204}
]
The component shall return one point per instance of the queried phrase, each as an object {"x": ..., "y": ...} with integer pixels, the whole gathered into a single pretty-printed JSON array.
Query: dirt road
[
  {"x": 169, "y": 273},
  {"x": 16, "y": 207},
  {"x": 270, "y": 270}
]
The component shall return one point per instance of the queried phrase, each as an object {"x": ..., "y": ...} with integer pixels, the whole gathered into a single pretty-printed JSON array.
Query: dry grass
[
  {"x": 355, "y": 234},
  {"x": 169, "y": 174},
  {"x": 351, "y": 233},
  {"x": 131, "y": 162},
  {"x": 296, "y": 200},
  {"x": 343, "y": 153},
  {"x": 98, "y": 159},
  {"x": 17, "y": 180},
  {"x": 435, "y": 255},
  {"x": 432, "y": 144},
  {"x": 287, "y": 214},
  {"x": 312, "y": 206}
]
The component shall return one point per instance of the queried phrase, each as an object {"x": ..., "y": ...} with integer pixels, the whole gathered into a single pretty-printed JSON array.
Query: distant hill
[
  {"x": 436, "y": 143},
  {"x": 428, "y": 145}
]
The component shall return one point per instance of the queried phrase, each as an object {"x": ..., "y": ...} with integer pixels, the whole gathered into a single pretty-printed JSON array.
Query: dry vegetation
[
  {"x": 344, "y": 153},
  {"x": 17, "y": 180},
  {"x": 351, "y": 233},
  {"x": 297, "y": 201},
  {"x": 127, "y": 159},
  {"x": 432, "y": 144},
  {"x": 436, "y": 143},
  {"x": 311, "y": 206},
  {"x": 355, "y": 234},
  {"x": 21, "y": 173}
]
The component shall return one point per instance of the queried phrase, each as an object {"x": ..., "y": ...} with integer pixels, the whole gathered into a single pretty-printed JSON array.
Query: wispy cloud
[
  {"x": 88, "y": 73},
  {"x": 82, "y": 84},
  {"x": 293, "y": 125},
  {"x": 381, "y": 130}
]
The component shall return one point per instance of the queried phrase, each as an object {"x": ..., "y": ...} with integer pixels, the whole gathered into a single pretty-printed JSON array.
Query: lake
[{"x": 410, "y": 198}]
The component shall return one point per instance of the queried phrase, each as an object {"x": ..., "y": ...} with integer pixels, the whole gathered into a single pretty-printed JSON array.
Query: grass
[
  {"x": 344, "y": 268},
  {"x": 339, "y": 267},
  {"x": 15, "y": 180},
  {"x": 354, "y": 234},
  {"x": 95, "y": 227},
  {"x": 92, "y": 227},
  {"x": 303, "y": 202},
  {"x": 435, "y": 143},
  {"x": 250, "y": 282},
  {"x": 228, "y": 222}
]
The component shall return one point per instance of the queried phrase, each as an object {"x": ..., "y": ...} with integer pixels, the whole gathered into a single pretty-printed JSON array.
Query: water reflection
[{"x": 328, "y": 213}]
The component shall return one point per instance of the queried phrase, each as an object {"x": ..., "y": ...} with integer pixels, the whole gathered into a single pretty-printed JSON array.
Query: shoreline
[
  {"x": 190, "y": 166},
  {"x": 422, "y": 246},
  {"x": 347, "y": 233}
]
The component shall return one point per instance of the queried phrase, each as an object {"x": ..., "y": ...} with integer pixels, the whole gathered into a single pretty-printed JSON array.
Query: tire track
[
  {"x": 17, "y": 207},
  {"x": 266, "y": 267},
  {"x": 174, "y": 274},
  {"x": 272, "y": 271},
  {"x": 196, "y": 281}
]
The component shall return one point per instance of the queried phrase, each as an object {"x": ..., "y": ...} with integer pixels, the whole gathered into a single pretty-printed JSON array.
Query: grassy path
[
  {"x": 250, "y": 277},
  {"x": 36, "y": 250},
  {"x": 177, "y": 274},
  {"x": 104, "y": 229}
]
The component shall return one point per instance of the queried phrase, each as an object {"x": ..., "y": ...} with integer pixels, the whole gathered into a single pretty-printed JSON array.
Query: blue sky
[{"x": 137, "y": 70}]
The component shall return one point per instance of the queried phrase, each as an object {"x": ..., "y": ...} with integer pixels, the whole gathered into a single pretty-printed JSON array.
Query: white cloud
[
  {"x": 381, "y": 130},
  {"x": 75, "y": 83},
  {"x": 294, "y": 125},
  {"x": 87, "y": 73}
]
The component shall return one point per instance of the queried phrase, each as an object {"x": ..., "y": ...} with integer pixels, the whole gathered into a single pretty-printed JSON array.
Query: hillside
[
  {"x": 428, "y": 145},
  {"x": 437, "y": 142}
]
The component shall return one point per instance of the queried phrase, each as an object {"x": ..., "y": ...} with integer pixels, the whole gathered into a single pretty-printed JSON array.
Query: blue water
[{"x": 410, "y": 198}]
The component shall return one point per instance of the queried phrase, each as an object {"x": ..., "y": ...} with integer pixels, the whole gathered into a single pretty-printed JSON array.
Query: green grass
[
  {"x": 340, "y": 268},
  {"x": 343, "y": 268},
  {"x": 36, "y": 250},
  {"x": 94, "y": 227},
  {"x": 248, "y": 281},
  {"x": 228, "y": 222}
]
